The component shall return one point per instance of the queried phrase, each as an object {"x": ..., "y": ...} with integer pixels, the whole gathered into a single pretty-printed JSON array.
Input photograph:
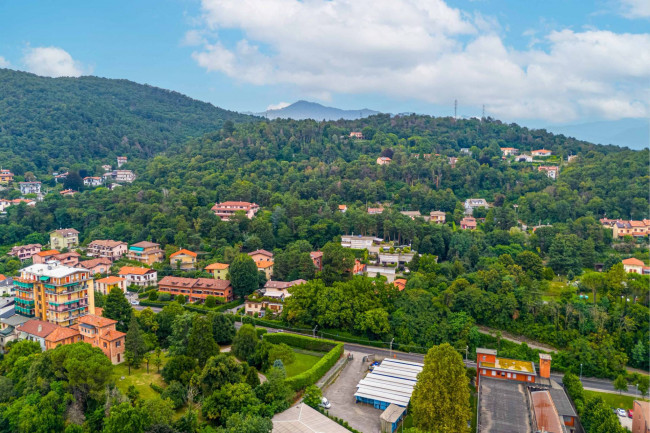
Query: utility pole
[
  {"x": 483, "y": 115},
  {"x": 314, "y": 331},
  {"x": 391, "y": 347},
  {"x": 466, "y": 351},
  {"x": 455, "y": 109}
]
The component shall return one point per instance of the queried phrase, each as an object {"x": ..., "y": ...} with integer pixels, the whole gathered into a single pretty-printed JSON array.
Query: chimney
[
  {"x": 545, "y": 365},
  {"x": 40, "y": 328}
]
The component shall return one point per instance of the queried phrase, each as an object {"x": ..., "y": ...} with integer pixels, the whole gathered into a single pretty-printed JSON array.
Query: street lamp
[
  {"x": 580, "y": 372},
  {"x": 391, "y": 348}
]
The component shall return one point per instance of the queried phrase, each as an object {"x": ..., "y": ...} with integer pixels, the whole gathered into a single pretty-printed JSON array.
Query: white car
[
  {"x": 135, "y": 302},
  {"x": 325, "y": 403},
  {"x": 621, "y": 412}
]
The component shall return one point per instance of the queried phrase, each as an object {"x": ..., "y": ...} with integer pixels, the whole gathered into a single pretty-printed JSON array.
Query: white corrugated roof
[
  {"x": 392, "y": 381},
  {"x": 52, "y": 271}
]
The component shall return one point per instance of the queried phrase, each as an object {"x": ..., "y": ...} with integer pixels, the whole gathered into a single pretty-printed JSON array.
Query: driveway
[{"x": 360, "y": 416}]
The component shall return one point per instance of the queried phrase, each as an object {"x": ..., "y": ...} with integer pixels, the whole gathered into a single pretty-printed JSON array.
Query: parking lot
[
  {"x": 625, "y": 422},
  {"x": 362, "y": 417}
]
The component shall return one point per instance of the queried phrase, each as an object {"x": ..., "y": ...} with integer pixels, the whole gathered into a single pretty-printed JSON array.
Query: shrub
[
  {"x": 260, "y": 332},
  {"x": 164, "y": 296},
  {"x": 301, "y": 341},
  {"x": 157, "y": 388}
]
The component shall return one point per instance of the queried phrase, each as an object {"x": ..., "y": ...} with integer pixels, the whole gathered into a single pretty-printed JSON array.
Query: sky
[{"x": 536, "y": 62}]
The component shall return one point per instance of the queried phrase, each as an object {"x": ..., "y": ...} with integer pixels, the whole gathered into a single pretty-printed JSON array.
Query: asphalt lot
[{"x": 362, "y": 417}]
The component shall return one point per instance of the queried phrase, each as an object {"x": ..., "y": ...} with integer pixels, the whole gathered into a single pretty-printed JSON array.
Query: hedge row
[
  {"x": 301, "y": 341},
  {"x": 261, "y": 322},
  {"x": 229, "y": 305},
  {"x": 154, "y": 303},
  {"x": 146, "y": 294}
]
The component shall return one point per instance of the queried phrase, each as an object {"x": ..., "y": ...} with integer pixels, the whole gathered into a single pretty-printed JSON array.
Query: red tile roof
[
  {"x": 109, "y": 280},
  {"x": 263, "y": 264},
  {"x": 61, "y": 333},
  {"x": 217, "y": 266},
  {"x": 185, "y": 252},
  {"x": 97, "y": 321},
  {"x": 38, "y": 327},
  {"x": 127, "y": 270},
  {"x": 112, "y": 335},
  {"x": 47, "y": 253},
  {"x": 88, "y": 264},
  {"x": 262, "y": 252},
  {"x": 633, "y": 262}
]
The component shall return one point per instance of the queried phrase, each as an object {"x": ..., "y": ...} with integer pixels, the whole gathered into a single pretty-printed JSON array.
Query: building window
[
  {"x": 529, "y": 378},
  {"x": 494, "y": 373},
  {"x": 118, "y": 343},
  {"x": 105, "y": 345}
]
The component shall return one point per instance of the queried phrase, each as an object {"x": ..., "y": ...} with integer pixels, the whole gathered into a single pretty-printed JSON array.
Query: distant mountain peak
[{"x": 302, "y": 109}]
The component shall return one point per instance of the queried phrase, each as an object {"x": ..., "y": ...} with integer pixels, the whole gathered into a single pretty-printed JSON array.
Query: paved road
[{"x": 602, "y": 385}]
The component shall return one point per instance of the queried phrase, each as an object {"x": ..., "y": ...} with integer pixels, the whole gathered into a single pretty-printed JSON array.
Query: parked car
[
  {"x": 325, "y": 403},
  {"x": 135, "y": 302},
  {"x": 621, "y": 412},
  {"x": 373, "y": 365},
  {"x": 630, "y": 413}
]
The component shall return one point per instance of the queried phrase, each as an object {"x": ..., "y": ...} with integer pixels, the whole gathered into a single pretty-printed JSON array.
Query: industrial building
[{"x": 390, "y": 382}]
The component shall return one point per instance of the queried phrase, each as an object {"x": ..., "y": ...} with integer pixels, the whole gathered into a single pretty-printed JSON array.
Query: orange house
[
  {"x": 219, "y": 270},
  {"x": 100, "y": 332},
  {"x": 61, "y": 336},
  {"x": 489, "y": 365},
  {"x": 183, "y": 259}
]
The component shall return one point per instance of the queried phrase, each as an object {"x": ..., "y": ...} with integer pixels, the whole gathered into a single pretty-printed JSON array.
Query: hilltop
[
  {"x": 48, "y": 122},
  {"x": 302, "y": 110}
]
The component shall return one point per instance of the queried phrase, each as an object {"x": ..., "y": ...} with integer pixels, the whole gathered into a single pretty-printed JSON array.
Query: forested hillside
[{"x": 50, "y": 123}]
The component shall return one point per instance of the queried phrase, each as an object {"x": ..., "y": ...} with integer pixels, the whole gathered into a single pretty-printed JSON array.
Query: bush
[
  {"x": 164, "y": 296},
  {"x": 153, "y": 296},
  {"x": 158, "y": 389},
  {"x": 260, "y": 332},
  {"x": 301, "y": 341},
  {"x": 283, "y": 353}
]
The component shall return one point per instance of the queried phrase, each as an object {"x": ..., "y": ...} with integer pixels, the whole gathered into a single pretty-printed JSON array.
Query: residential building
[
  {"x": 183, "y": 259},
  {"x": 100, "y": 332},
  {"x": 375, "y": 210},
  {"x": 359, "y": 242},
  {"x": 524, "y": 158},
  {"x": 54, "y": 293},
  {"x": 61, "y": 336},
  {"x": 93, "y": 181},
  {"x": 25, "y": 252},
  {"x": 68, "y": 193},
  {"x": 106, "y": 284},
  {"x": 400, "y": 283},
  {"x": 317, "y": 258},
  {"x": 452, "y": 161},
  {"x": 67, "y": 259},
  {"x": 413, "y": 214},
  {"x": 509, "y": 151},
  {"x": 36, "y": 330},
  {"x": 437, "y": 217},
  {"x": 398, "y": 259},
  {"x": 227, "y": 209},
  {"x": 196, "y": 289},
  {"x": 30, "y": 187},
  {"x": 635, "y": 266},
  {"x": 28, "y": 202},
  {"x": 270, "y": 298},
  {"x": 4, "y": 204},
  {"x": 6, "y": 176},
  {"x": 44, "y": 256},
  {"x": 551, "y": 170},
  {"x": 641, "y": 418},
  {"x": 146, "y": 252},
  {"x": 383, "y": 160},
  {"x": 6, "y": 286},
  {"x": 633, "y": 228},
  {"x": 465, "y": 151},
  {"x": 474, "y": 203},
  {"x": 8, "y": 327},
  {"x": 261, "y": 255},
  {"x": 571, "y": 158},
  {"x": 60, "y": 176},
  {"x": 100, "y": 265},
  {"x": 384, "y": 271},
  {"x": 343, "y": 208},
  {"x": 64, "y": 238},
  {"x": 141, "y": 277},
  {"x": 121, "y": 160},
  {"x": 218, "y": 270},
  {"x": 110, "y": 249},
  {"x": 468, "y": 223},
  {"x": 125, "y": 176},
  {"x": 107, "y": 167},
  {"x": 356, "y": 134},
  {"x": 265, "y": 266},
  {"x": 541, "y": 152}
]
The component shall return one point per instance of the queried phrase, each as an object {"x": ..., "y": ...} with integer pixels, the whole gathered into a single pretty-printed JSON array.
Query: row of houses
[{"x": 622, "y": 228}]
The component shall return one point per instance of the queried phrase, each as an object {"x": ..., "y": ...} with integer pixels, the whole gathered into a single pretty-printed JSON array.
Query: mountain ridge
[{"x": 301, "y": 110}]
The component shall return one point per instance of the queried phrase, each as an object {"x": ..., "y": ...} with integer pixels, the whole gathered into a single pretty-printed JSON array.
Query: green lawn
[
  {"x": 613, "y": 400},
  {"x": 139, "y": 377},
  {"x": 304, "y": 361}
]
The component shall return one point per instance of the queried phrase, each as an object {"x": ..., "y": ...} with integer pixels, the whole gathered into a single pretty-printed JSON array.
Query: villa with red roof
[
  {"x": 218, "y": 270},
  {"x": 100, "y": 332},
  {"x": 105, "y": 285},
  {"x": 183, "y": 259},
  {"x": 227, "y": 209},
  {"x": 635, "y": 266},
  {"x": 141, "y": 277},
  {"x": 541, "y": 152}
]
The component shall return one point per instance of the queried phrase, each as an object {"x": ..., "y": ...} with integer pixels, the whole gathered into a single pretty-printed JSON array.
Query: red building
[
  {"x": 317, "y": 258},
  {"x": 227, "y": 209},
  {"x": 196, "y": 289}
]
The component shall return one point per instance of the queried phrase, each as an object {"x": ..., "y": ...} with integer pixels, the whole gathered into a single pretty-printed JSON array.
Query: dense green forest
[{"x": 50, "y": 123}]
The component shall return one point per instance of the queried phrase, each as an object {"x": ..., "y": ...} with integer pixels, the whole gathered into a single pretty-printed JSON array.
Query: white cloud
[
  {"x": 427, "y": 51},
  {"x": 4, "y": 63},
  {"x": 278, "y": 106},
  {"x": 193, "y": 38},
  {"x": 635, "y": 8},
  {"x": 51, "y": 62}
]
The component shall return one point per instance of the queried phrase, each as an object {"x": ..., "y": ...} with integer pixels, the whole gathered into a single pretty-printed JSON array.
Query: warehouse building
[{"x": 391, "y": 382}]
